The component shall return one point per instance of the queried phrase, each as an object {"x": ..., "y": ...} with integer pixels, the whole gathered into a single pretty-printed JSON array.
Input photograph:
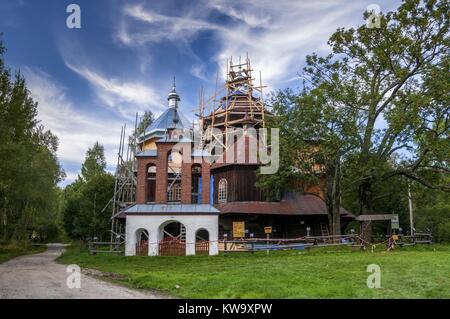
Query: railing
[
  {"x": 256, "y": 244},
  {"x": 95, "y": 247},
  {"x": 417, "y": 238}
]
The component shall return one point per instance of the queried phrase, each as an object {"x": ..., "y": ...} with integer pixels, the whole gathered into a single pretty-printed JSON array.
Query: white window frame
[{"x": 222, "y": 192}]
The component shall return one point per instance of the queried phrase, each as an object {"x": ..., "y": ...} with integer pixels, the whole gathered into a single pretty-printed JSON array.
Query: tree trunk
[
  {"x": 333, "y": 196},
  {"x": 365, "y": 196},
  {"x": 366, "y": 208}
]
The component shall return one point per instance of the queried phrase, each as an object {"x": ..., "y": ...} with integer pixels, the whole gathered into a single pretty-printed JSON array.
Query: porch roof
[{"x": 170, "y": 209}]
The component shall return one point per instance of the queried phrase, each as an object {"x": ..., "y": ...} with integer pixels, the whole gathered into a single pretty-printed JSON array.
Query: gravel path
[{"x": 39, "y": 276}]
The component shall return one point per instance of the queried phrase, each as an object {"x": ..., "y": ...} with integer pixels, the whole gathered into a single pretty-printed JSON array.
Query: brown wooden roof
[{"x": 292, "y": 205}]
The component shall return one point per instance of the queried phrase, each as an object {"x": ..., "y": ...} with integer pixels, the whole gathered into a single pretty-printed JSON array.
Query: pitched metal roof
[
  {"x": 172, "y": 118},
  {"x": 148, "y": 209}
]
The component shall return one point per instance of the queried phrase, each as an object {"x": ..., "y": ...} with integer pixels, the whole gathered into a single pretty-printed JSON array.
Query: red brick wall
[
  {"x": 161, "y": 177},
  {"x": 186, "y": 183},
  {"x": 206, "y": 169}
]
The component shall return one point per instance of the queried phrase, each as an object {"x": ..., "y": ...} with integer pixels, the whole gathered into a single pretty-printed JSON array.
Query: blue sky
[{"x": 90, "y": 81}]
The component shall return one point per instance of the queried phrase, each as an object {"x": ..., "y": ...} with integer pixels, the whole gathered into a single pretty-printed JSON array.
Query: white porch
[{"x": 152, "y": 219}]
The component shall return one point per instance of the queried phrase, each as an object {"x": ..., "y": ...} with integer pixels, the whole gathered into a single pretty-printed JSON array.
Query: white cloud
[
  {"x": 162, "y": 27},
  {"x": 277, "y": 34},
  {"x": 77, "y": 131},
  {"x": 127, "y": 98},
  {"x": 198, "y": 70}
]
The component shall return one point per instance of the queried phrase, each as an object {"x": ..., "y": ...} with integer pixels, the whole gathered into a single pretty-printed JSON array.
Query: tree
[
  {"x": 29, "y": 171},
  {"x": 94, "y": 163},
  {"x": 85, "y": 198},
  {"x": 145, "y": 121},
  {"x": 432, "y": 210},
  {"x": 71, "y": 209},
  {"x": 315, "y": 136},
  {"x": 94, "y": 195},
  {"x": 396, "y": 74}
]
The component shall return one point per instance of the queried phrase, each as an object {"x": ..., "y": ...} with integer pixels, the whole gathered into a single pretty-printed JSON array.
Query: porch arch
[
  {"x": 142, "y": 240},
  {"x": 202, "y": 242},
  {"x": 172, "y": 238}
]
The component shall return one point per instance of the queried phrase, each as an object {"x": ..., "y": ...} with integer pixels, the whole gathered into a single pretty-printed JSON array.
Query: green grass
[
  {"x": 415, "y": 272},
  {"x": 11, "y": 251}
]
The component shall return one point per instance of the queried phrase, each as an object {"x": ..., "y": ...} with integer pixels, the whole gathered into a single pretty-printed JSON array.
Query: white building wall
[{"x": 152, "y": 223}]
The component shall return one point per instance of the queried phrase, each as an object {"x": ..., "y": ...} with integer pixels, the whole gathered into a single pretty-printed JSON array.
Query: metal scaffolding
[
  {"x": 241, "y": 103},
  {"x": 125, "y": 182}
]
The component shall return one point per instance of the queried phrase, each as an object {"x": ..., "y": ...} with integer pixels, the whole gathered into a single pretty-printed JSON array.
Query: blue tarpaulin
[
  {"x": 211, "y": 190},
  {"x": 199, "y": 195}
]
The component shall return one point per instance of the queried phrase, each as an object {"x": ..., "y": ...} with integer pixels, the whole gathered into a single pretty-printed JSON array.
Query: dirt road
[{"x": 39, "y": 276}]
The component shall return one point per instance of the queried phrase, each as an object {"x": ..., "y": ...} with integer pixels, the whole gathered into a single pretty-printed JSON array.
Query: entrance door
[
  {"x": 142, "y": 242},
  {"x": 173, "y": 242},
  {"x": 202, "y": 242}
]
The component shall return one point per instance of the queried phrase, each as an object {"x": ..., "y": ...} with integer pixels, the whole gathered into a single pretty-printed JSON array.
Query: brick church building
[{"x": 188, "y": 194}]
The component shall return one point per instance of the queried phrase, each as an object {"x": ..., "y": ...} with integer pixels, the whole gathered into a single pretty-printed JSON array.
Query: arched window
[
  {"x": 174, "y": 160},
  {"x": 196, "y": 184},
  {"x": 222, "y": 191},
  {"x": 151, "y": 183},
  {"x": 174, "y": 193}
]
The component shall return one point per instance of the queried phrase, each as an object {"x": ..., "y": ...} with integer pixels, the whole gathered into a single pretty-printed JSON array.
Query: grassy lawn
[
  {"x": 8, "y": 252},
  {"x": 415, "y": 272}
]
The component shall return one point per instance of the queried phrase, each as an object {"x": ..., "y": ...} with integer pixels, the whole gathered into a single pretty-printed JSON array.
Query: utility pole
[{"x": 411, "y": 221}]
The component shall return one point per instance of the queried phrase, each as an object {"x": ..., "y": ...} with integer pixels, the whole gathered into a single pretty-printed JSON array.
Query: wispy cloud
[
  {"x": 160, "y": 27},
  {"x": 76, "y": 131},
  {"x": 276, "y": 34},
  {"x": 127, "y": 98},
  {"x": 198, "y": 70}
]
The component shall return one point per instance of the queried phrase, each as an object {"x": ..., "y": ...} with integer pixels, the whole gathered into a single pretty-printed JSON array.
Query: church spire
[{"x": 173, "y": 97}]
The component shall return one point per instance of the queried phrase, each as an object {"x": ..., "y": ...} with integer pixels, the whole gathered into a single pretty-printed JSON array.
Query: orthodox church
[{"x": 189, "y": 195}]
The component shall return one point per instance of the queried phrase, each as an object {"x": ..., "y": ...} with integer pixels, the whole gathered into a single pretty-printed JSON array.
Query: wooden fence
[
  {"x": 202, "y": 247},
  {"x": 172, "y": 247},
  {"x": 256, "y": 244},
  {"x": 142, "y": 248}
]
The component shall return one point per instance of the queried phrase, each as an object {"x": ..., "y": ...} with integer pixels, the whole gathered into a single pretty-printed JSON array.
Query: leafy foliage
[
  {"x": 432, "y": 212},
  {"x": 29, "y": 170},
  {"x": 94, "y": 164},
  {"x": 86, "y": 198},
  {"x": 396, "y": 74},
  {"x": 372, "y": 115},
  {"x": 314, "y": 137}
]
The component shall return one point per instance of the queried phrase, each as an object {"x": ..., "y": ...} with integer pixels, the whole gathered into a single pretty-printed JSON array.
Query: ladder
[
  {"x": 182, "y": 232},
  {"x": 202, "y": 139},
  {"x": 324, "y": 230}
]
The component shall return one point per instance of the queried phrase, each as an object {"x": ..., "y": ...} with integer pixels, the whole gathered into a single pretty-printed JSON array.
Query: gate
[
  {"x": 142, "y": 248},
  {"x": 202, "y": 247},
  {"x": 172, "y": 246}
]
